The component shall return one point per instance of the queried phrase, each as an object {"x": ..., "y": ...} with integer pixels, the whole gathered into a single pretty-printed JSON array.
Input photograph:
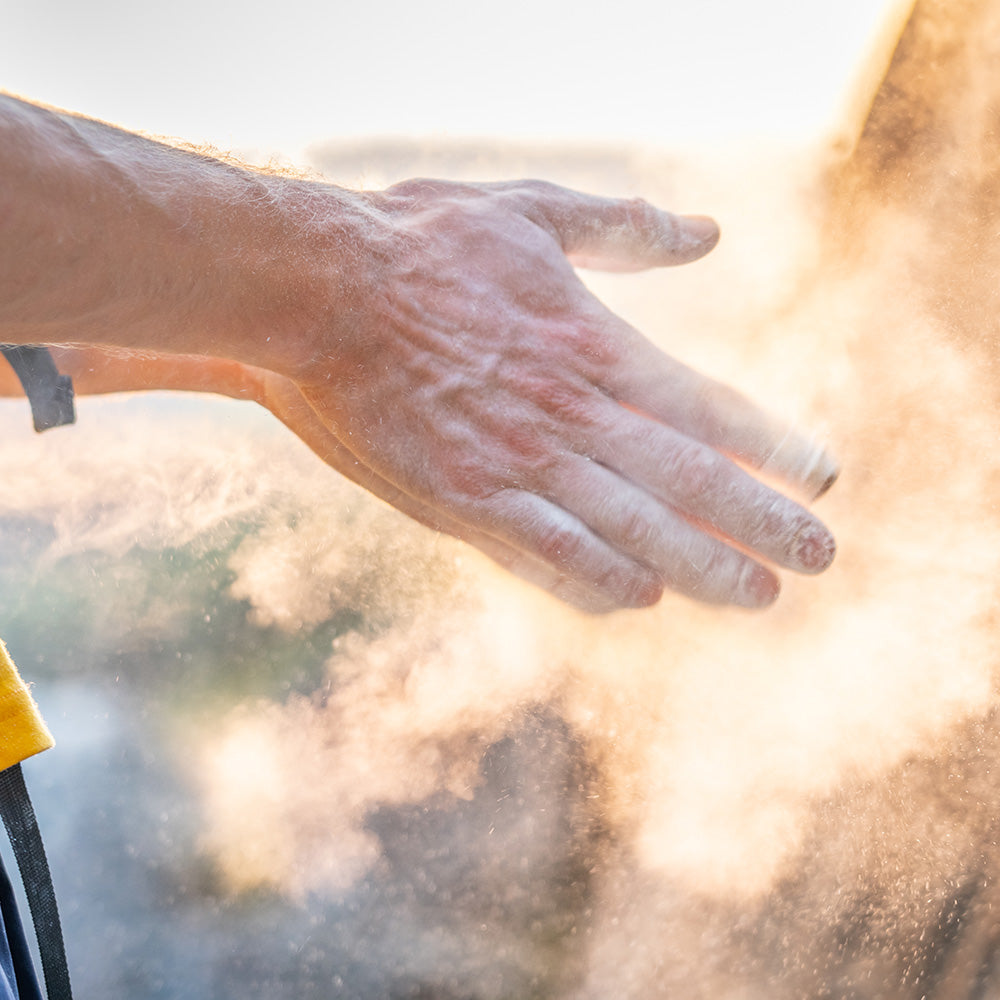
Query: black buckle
[{"x": 49, "y": 393}]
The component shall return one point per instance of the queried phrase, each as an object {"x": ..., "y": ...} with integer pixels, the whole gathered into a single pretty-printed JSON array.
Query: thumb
[
  {"x": 612, "y": 234},
  {"x": 649, "y": 237}
]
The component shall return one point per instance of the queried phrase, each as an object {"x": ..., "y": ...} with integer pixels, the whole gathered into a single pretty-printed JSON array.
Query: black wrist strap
[
  {"x": 29, "y": 853},
  {"x": 49, "y": 393}
]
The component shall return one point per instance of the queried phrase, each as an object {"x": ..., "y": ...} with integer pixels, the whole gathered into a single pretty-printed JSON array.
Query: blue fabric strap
[
  {"x": 29, "y": 853},
  {"x": 18, "y": 979}
]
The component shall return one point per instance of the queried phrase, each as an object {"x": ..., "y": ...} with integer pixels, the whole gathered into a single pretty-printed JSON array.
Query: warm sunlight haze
[{"x": 263, "y": 79}]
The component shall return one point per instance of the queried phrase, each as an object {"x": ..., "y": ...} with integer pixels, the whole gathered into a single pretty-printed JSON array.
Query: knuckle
[
  {"x": 544, "y": 202},
  {"x": 561, "y": 544},
  {"x": 568, "y": 401},
  {"x": 633, "y": 586},
  {"x": 652, "y": 229},
  {"x": 694, "y": 471},
  {"x": 563, "y": 400},
  {"x": 640, "y": 214},
  {"x": 539, "y": 190},
  {"x": 636, "y": 532},
  {"x": 721, "y": 572},
  {"x": 414, "y": 187},
  {"x": 465, "y": 479},
  {"x": 590, "y": 342},
  {"x": 712, "y": 575}
]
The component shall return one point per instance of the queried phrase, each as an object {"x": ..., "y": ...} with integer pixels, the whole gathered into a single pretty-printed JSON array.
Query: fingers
[
  {"x": 284, "y": 399},
  {"x": 624, "y": 235},
  {"x": 560, "y": 378},
  {"x": 649, "y": 381},
  {"x": 657, "y": 508},
  {"x": 526, "y": 521},
  {"x": 730, "y": 423},
  {"x": 688, "y": 560},
  {"x": 708, "y": 489},
  {"x": 671, "y": 526},
  {"x": 685, "y": 521},
  {"x": 613, "y": 234},
  {"x": 542, "y": 575}
]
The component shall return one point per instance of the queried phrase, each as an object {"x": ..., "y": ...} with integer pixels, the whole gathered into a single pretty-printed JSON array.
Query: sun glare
[{"x": 273, "y": 82}]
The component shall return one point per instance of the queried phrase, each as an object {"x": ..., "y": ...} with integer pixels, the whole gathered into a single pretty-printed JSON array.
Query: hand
[
  {"x": 483, "y": 386},
  {"x": 451, "y": 355}
]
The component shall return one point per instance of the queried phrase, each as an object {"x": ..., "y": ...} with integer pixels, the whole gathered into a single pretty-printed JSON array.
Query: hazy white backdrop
[{"x": 270, "y": 78}]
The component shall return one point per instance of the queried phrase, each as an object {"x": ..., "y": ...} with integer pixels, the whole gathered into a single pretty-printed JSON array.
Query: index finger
[{"x": 647, "y": 380}]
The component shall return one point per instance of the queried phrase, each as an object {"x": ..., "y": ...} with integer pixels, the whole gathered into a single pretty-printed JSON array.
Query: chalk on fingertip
[
  {"x": 804, "y": 462},
  {"x": 701, "y": 228}
]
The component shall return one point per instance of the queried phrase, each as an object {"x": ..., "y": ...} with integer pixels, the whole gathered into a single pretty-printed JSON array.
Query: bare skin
[{"x": 432, "y": 341}]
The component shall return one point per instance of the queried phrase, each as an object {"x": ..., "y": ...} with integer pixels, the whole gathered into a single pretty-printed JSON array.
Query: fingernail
[
  {"x": 814, "y": 550},
  {"x": 647, "y": 593},
  {"x": 702, "y": 229},
  {"x": 759, "y": 587}
]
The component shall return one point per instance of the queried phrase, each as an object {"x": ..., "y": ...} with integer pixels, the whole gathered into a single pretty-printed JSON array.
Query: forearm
[{"x": 109, "y": 238}]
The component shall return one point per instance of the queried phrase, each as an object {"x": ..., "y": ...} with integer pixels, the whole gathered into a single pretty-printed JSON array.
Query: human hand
[
  {"x": 482, "y": 382},
  {"x": 440, "y": 335}
]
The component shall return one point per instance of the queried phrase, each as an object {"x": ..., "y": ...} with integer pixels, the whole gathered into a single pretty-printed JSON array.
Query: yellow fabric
[{"x": 23, "y": 733}]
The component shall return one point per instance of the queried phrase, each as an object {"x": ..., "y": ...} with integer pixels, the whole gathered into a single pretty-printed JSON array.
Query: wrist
[{"x": 298, "y": 262}]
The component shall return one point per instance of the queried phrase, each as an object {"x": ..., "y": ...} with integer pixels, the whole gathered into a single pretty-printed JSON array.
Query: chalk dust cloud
[{"x": 507, "y": 798}]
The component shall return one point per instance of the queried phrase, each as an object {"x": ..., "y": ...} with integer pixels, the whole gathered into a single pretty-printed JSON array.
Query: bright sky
[{"x": 275, "y": 77}]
